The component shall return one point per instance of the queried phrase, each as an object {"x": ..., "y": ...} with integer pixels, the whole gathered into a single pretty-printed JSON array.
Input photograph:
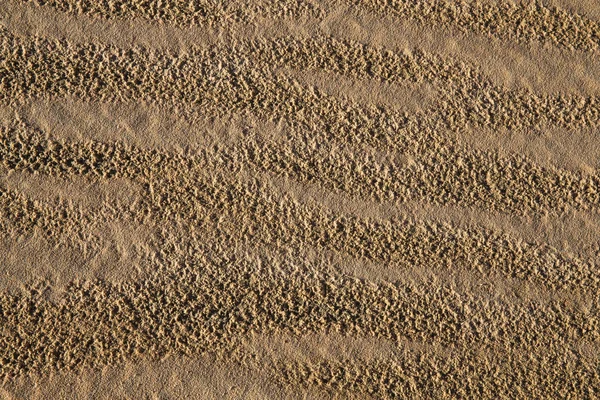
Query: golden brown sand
[{"x": 299, "y": 199}]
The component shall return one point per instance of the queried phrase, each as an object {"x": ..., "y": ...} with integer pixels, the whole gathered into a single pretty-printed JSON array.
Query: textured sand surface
[{"x": 299, "y": 199}]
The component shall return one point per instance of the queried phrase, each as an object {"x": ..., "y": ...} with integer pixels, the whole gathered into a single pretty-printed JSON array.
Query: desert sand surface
[{"x": 299, "y": 199}]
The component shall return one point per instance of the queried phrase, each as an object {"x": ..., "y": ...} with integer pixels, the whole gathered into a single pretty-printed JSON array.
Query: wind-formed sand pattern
[{"x": 299, "y": 199}]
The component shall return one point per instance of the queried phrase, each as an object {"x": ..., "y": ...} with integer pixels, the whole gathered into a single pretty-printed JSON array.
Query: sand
[{"x": 299, "y": 199}]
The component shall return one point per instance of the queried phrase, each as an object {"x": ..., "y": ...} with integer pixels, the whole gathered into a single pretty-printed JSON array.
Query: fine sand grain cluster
[{"x": 251, "y": 199}]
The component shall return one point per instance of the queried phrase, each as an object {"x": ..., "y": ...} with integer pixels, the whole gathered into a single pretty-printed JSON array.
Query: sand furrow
[
  {"x": 506, "y": 184},
  {"x": 280, "y": 373},
  {"x": 257, "y": 218},
  {"x": 518, "y": 21},
  {"x": 522, "y": 65},
  {"x": 506, "y": 21},
  {"x": 127, "y": 229},
  {"x": 326, "y": 118},
  {"x": 418, "y": 375},
  {"x": 230, "y": 79},
  {"x": 214, "y": 298},
  {"x": 503, "y": 184},
  {"x": 202, "y": 12},
  {"x": 466, "y": 92},
  {"x": 191, "y": 189}
]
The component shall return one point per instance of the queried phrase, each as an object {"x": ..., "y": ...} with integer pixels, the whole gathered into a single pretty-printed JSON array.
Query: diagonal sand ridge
[{"x": 299, "y": 199}]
